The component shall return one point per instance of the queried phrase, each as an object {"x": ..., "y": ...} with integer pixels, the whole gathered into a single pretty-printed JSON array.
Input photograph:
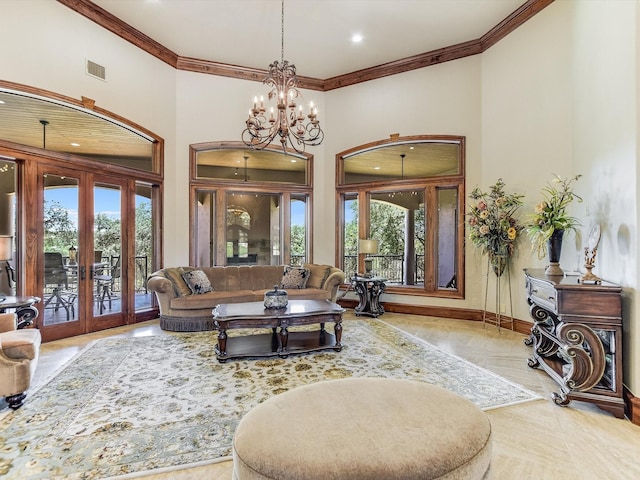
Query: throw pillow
[
  {"x": 179, "y": 285},
  {"x": 295, "y": 277},
  {"x": 198, "y": 282},
  {"x": 317, "y": 274}
]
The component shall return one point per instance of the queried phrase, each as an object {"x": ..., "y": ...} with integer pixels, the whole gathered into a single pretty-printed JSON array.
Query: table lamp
[
  {"x": 6, "y": 254},
  {"x": 368, "y": 246}
]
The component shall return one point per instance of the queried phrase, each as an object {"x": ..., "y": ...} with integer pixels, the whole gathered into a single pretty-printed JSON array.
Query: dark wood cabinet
[{"x": 577, "y": 338}]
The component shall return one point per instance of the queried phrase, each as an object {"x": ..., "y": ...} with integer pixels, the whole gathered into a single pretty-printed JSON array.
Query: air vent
[{"x": 96, "y": 70}]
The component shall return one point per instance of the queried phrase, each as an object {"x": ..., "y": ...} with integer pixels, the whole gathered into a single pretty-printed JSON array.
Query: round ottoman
[{"x": 363, "y": 428}]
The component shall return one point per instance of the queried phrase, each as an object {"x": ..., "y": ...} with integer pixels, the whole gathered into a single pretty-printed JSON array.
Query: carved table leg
[
  {"x": 221, "y": 347},
  {"x": 376, "y": 307},
  {"x": 338, "y": 331},
  {"x": 361, "y": 289},
  {"x": 284, "y": 340}
]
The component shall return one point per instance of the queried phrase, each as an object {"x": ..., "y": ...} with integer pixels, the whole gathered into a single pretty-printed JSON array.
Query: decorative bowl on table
[{"x": 276, "y": 298}]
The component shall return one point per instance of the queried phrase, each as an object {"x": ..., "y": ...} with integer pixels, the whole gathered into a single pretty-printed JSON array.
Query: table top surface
[
  {"x": 13, "y": 302},
  {"x": 295, "y": 308},
  {"x": 363, "y": 278}
]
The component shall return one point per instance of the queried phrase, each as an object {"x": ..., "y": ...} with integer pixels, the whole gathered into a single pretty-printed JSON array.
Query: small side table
[
  {"x": 23, "y": 306},
  {"x": 369, "y": 290}
]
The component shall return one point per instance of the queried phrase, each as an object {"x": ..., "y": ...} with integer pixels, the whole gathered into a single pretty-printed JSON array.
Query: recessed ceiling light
[
  {"x": 293, "y": 160},
  {"x": 356, "y": 38},
  {"x": 74, "y": 144},
  {"x": 376, "y": 168},
  {"x": 1, "y": 102}
]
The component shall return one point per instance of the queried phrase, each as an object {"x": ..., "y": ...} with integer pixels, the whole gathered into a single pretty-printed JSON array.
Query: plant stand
[{"x": 499, "y": 318}]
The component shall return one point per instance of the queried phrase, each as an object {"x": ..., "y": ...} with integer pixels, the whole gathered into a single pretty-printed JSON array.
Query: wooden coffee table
[{"x": 284, "y": 342}]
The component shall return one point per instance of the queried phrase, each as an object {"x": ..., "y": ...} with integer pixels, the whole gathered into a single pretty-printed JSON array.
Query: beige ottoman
[{"x": 363, "y": 428}]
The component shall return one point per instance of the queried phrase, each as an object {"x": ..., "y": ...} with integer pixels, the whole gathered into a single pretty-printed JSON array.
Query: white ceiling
[{"x": 317, "y": 32}]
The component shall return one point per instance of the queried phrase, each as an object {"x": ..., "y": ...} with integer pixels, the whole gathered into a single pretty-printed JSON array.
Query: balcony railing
[{"x": 390, "y": 267}]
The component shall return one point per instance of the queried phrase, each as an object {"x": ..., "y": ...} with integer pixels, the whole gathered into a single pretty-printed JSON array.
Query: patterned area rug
[{"x": 129, "y": 405}]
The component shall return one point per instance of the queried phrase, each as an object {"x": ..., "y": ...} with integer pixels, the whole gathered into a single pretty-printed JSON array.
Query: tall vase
[
  {"x": 498, "y": 263},
  {"x": 554, "y": 249}
]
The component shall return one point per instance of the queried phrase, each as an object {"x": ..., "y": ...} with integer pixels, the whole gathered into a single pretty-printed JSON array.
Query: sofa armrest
[
  {"x": 8, "y": 322},
  {"x": 163, "y": 288},
  {"x": 160, "y": 284},
  {"x": 332, "y": 283}
]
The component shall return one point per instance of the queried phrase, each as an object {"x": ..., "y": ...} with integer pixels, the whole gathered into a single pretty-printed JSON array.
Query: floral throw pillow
[
  {"x": 295, "y": 277},
  {"x": 197, "y": 281}
]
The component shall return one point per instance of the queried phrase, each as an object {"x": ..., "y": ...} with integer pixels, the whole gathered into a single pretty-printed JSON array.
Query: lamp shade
[
  {"x": 6, "y": 247},
  {"x": 367, "y": 246}
]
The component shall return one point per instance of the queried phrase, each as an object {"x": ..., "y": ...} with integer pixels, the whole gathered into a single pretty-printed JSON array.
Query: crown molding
[
  {"x": 125, "y": 31},
  {"x": 473, "y": 47},
  {"x": 236, "y": 71}
]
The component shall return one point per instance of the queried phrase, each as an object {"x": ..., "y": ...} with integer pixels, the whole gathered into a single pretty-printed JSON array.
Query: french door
[{"x": 84, "y": 252}]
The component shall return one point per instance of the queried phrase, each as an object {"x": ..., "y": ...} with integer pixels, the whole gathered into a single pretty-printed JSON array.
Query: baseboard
[
  {"x": 520, "y": 326},
  {"x": 632, "y": 403}
]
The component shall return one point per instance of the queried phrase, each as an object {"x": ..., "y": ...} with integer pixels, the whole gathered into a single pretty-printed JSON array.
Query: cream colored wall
[{"x": 527, "y": 123}]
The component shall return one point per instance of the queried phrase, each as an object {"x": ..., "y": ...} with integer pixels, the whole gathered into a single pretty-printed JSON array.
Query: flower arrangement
[
  {"x": 551, "y": 213},
  {"x": 492, "y": 222}
]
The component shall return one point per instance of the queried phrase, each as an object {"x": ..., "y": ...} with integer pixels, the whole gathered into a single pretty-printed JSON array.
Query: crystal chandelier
[{"x": 288, "y": 120}]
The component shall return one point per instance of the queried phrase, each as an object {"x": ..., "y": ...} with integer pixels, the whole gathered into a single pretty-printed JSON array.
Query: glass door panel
[
  {"x": 350, "y": 233},
  {"x": 143, "y": 245},
  {"x": 61, "y": 240},
  {"x": 298, "y": 222},
  {"x": 107, "y": 239}
]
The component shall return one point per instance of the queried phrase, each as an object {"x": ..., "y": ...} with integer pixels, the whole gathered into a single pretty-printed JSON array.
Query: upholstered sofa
[
  {"x": 186, "y": 307},
  {"x": 19, "y": 351}
]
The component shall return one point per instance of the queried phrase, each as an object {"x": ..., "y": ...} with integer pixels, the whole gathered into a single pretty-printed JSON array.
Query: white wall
[{"x": 605, "y": 136}]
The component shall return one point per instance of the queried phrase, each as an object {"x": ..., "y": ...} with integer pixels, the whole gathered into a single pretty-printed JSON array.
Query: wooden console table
[{"x": 577, "y": 338}]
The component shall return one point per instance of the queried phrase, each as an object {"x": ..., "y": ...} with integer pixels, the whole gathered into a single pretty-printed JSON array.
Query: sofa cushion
[
  {"x": 295, "y": 277},
  {"x": 308, "y": 294},
  {"x": 179, "y": 285},
  {"x": 197, "y": 281},
  {"x": 317, "y": 274}
]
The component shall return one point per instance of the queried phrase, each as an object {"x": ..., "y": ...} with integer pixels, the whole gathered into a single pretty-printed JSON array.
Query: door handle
[{"x": 83, "y": 272}]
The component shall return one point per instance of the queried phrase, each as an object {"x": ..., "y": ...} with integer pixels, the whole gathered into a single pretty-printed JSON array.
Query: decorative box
[{"x": 276, "y": 298}]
